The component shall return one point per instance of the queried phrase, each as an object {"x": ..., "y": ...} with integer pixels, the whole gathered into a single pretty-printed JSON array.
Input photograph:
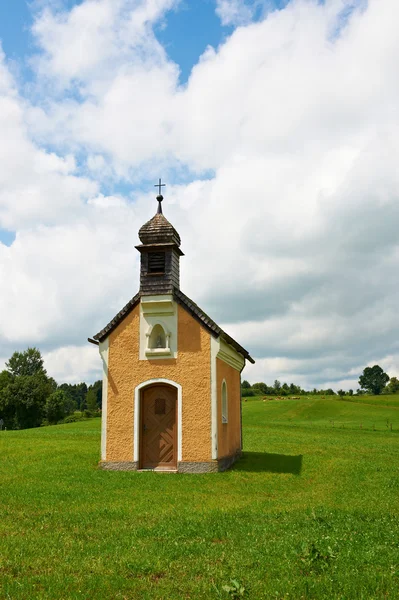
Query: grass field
[
  {"x": 311, "y": 511},
  {"x": 383, "y": 400}
]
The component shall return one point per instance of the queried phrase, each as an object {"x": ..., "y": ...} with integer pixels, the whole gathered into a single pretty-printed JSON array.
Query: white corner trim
[
  {"x": 136, "y": 426},
  {"x": 215, "y": 347},
  {"x": 230, "y": 356},
  {"x": 104, "y": 353}
]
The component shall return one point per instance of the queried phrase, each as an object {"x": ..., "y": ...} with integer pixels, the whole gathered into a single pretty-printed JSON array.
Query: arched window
[{"x": 224, "y": 403}]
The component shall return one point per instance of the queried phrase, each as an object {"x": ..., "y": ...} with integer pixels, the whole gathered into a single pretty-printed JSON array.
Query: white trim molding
[
  {"x": 160, "y": 305},
  {"x": 215, "y": 347},
  {"x": 158, "y": 310},
  {"x": 104, "y": 353},
  {"x": 136, "y": 425},
  {"x": 230, "y": 356}
]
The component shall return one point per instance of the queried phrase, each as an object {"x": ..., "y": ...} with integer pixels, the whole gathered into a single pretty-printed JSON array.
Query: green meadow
[{"x": 311, "y": 511}]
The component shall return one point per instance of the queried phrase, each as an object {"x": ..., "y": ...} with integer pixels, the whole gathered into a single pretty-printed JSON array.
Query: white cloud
[
  {"x": 291, "y": 243},
  {"x": 94, "y": 35},
  {"x": 71, "y": 364},
  {"x": 35, "y": 186},
  {"x": 234, "y": 12}
]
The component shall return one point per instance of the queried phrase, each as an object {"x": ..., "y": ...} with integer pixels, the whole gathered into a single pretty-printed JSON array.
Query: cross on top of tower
[{"x": 159, "y": 185}]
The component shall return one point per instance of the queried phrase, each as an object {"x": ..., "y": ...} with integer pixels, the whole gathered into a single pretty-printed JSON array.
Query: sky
[{"x": 274, "y": 125}]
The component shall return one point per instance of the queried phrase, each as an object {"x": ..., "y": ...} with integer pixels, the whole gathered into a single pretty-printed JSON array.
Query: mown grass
[
  {"x": 332, "y": 412},
  {"x": 311, "y": 511},
  {"x": 381, "y": 400}
]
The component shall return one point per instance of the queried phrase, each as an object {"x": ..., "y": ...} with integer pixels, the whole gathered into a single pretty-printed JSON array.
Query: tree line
[
  {"x": 372, "y": 381},
  {"x": 30, "y": 398}
]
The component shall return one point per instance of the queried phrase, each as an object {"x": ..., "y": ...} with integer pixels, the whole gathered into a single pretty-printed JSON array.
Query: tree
[
  {"x": 277, "y": 385},
  {"x": 81, "y": 391},
  {"x": 373, "y": 380},
  {"x": 91, "y": 400},
  {"x": 5, "y": 379},
  {"x": 350, "y": 392},
  {"x": 77, "y": 392},
  {"x": 260, "y": 387},
  {"x": 341, "y": 393},
  {"x": 98, "y": 390},
  {"x": 69, "y": 404},
  {"x": 247, "y": 392},
  {"x": 23, "y": 400},
  {"x": 28, "y": 362},
  {"x": 56, "y": 405},
  {"x": 245, "y": 385},
  {"x": 24, "y": 389},
  {"x": 393, "y": 385}
]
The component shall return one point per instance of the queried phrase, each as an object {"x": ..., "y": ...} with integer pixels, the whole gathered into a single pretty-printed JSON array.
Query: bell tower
[{"x": 160, "y": 255}]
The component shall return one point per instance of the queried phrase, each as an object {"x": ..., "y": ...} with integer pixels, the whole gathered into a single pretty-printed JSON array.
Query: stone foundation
[
  {"x": 118, "y": 466},
  {"x": 198, "y": 467},
  {"x": 213, "y": 466}
]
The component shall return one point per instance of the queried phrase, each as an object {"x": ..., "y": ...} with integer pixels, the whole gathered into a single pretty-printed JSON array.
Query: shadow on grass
[{"x": 270, "y": 463}]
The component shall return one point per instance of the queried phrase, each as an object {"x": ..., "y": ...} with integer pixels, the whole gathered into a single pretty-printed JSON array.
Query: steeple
[{"x": 160, "y": 254}]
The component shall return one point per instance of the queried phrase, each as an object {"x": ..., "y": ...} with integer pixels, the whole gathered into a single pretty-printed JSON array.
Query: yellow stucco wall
[
  {"x": 191, "y": 370},
  {"x": 229, "y": 438}
]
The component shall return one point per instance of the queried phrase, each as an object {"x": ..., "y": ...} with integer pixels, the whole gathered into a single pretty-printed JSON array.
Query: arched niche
[{"x": 158, "y": 340}]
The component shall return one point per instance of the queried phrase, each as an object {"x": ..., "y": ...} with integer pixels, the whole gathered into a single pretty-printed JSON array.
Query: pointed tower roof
[{"x": 158, "y": 230}]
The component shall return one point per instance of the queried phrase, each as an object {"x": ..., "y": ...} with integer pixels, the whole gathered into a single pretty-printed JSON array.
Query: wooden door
[{"x": 158, "y": 428}]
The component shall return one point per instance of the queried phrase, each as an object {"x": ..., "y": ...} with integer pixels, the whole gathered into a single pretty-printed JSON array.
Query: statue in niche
[{"x": 157, "y": 340}]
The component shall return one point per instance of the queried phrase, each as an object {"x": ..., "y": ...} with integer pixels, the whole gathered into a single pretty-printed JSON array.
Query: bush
[
  {"x": 73, "y": 419},
  {"x": 90, "y": 414},
  {"x": 245, "y": 392}
]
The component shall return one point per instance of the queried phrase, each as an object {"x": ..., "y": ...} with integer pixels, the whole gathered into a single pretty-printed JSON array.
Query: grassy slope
[
  {"x": 360, "y": 413},
  {"x": 382, "y": 400},
  {"x": 310, "y": 512}
]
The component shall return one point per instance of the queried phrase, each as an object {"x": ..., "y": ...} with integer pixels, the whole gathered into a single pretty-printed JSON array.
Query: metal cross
[{"x": 159, "y": 185}]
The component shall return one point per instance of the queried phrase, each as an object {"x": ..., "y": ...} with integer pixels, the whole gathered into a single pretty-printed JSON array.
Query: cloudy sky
[{"x": 275, "y": 125}]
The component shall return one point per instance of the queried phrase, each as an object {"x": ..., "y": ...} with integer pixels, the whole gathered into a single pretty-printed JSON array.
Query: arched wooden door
[{"x": 158, "y": 427}]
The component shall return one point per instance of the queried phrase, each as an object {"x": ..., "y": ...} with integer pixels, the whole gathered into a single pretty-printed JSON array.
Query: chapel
[{"x": 171, "y": 375}]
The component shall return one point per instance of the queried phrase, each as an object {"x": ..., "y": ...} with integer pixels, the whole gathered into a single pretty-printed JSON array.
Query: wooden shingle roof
[
  {"x": 191, "y": 307},
  {"x": 158, "y": 230}
]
